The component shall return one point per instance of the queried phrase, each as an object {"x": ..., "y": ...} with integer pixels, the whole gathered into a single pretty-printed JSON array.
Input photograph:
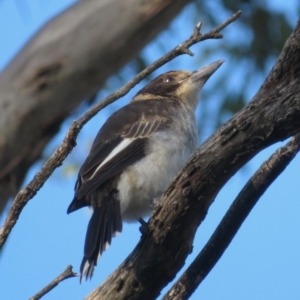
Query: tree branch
[
  {"x": 70, "y": 139},
  {"x": 272, "y": 115},
  {"x": 67, "y": 273},
  {"x": 232, "y": 221}
]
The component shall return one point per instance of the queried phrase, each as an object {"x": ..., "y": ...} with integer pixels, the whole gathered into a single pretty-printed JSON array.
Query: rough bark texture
[
  {"x": 273, "y": 115},
  {"x": 67, "y": 61},
  {"x": 232, "y": 221}
]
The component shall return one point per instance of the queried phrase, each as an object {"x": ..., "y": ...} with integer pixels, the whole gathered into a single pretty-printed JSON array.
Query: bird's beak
[{"x": 204, "y": 73}]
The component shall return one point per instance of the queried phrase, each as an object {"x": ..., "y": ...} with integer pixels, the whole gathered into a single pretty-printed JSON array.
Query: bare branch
[
  {"x": 69, "y": 142},
  {"x": 232, "y": 221},
  {"x": 67, "y": 273},
  {"x": 197, "y": 37}
]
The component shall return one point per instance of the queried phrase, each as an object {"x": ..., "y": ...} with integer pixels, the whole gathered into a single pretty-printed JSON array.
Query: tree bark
[
  {"x": 66, "y": 62},
  {"x": 233, "y": 220},
  {"x": 273, "y": 115}
]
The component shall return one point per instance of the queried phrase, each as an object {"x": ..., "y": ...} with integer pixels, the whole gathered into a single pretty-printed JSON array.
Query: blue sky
[{"x": 263, "y": 260}]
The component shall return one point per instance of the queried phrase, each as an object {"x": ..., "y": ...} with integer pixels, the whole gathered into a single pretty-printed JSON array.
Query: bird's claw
[{"x": 144, "y": 226}]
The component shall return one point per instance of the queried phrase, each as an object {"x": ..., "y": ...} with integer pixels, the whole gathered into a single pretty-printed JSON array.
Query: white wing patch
[{"x": 125, "y": 143}]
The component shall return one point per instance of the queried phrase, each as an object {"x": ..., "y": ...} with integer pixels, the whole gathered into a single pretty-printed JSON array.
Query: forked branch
[{"x": 232, "y": 221}]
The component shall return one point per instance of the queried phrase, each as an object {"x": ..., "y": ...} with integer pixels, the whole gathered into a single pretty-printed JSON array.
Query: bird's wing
[{"x": 121, "y": 142}]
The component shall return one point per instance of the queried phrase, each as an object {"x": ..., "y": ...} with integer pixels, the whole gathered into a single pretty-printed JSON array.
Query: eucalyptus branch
[
  {"x": 232, "y": 221},
  {"x": 67, "y": 273}
]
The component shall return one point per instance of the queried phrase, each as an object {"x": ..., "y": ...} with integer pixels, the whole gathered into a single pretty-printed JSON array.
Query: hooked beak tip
[{"x": 204, "y": 73}]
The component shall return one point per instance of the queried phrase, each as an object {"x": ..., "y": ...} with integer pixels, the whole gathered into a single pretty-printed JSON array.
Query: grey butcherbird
[{"x": 135, "y": 155}]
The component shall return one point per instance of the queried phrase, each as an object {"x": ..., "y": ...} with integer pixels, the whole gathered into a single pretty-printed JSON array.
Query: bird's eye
[{"x": 169, "y": 79}]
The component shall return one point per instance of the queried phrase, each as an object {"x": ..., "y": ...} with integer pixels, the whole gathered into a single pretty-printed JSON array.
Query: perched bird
[{"x": 135, "y": 155}]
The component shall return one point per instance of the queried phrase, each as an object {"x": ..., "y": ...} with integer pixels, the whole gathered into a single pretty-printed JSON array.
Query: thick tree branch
[
  {"x": 67, "y": 273},
  {"x": 272, "y": 115},
  {"x": 66, "y": 62},
  {"x": 232, "y": 221},
  {"x": 70, "y": 140}
]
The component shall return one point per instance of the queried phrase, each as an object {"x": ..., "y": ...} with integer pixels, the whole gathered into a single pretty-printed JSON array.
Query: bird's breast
[{"x": 147, "y": 179}]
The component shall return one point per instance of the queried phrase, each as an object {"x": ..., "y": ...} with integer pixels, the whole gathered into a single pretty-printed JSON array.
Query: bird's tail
[{"x": 105, "y": 223}]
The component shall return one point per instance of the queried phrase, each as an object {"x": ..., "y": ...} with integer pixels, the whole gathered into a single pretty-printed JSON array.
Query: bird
[{"x": 135, "y": 155}]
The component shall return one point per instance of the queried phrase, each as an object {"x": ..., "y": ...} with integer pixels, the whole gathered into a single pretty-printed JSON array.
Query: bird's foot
[{"x": 144, "y": 226}]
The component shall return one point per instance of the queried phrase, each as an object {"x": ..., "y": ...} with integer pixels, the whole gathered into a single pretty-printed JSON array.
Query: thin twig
[
  {"x": 233, "y": 220},
  {"x": 67, "y": 273},
  {"x": 69, "y": 142}
]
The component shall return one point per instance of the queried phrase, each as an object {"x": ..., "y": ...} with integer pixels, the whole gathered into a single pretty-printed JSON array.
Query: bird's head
[{"x": 182, "y": 85}]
